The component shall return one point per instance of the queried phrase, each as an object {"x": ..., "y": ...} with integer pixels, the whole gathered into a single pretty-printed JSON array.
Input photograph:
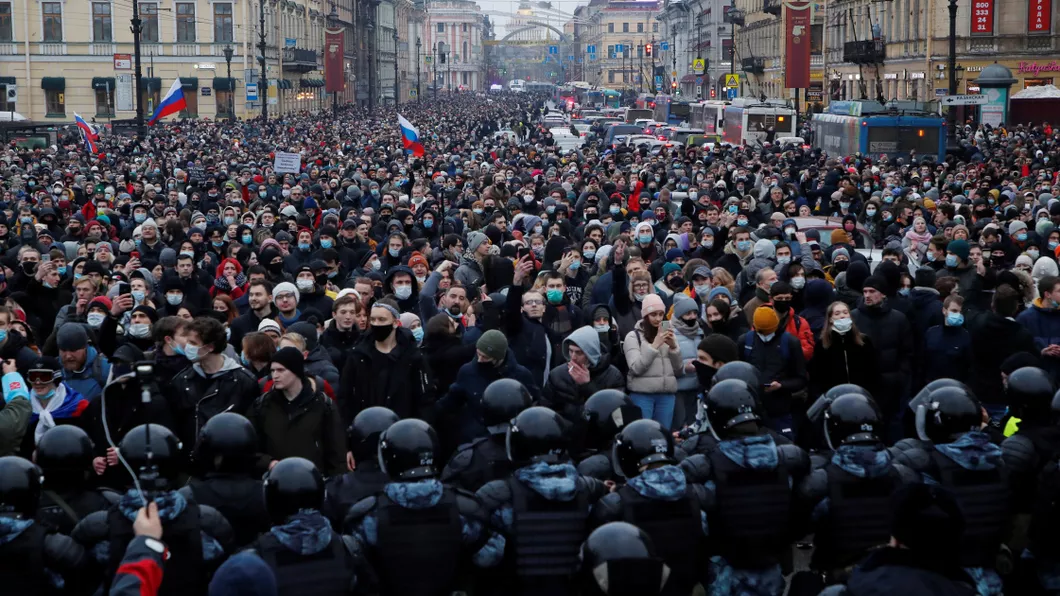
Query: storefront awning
[
  {"x": 103, "y": 83},
  {"x": 151, "y": 84},
  {"x": 53, "y": 83},
  {"x": 688, "y": 78},
  {"x": 189, "y": 82},
  {"x": 8, "y": 81},
  {"x": 284, "y": 84},
  {"x": 224, "y": 83}
]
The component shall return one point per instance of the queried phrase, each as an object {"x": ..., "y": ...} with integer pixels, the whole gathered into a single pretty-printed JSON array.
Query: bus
[
  {"x": 536, "y": 87},
  {"x": 878, "y": 130},
  {"x": 708, "y": 115},
  {"x": 671, "y": 111},
  {"x": 645, "y": 101},
  {"x": 517, "y": 85},
  {"x": 747, "y": 121}
]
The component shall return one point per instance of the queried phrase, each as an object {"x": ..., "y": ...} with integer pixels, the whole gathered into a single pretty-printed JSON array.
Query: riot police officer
[
  {"x": 1030, "y": 393},
  {"x": 954, "y": 452},
  {"x": 815, "y": 416},
  {"x": 620, "y": 559},
  {"x": 226, "y": 458},
  {"x": 425, "y": 532},
  {"x": 64, "y": 455},
  {"x": 846, "y": 501},
  {"x": 197, "y": 535},
  {"x": 1040, "y": 563},
  {"x": 28, "y": 549},
  {"x": 365, "y": 478},
  {"x": 305, "y": 554},
  {"x": 605, "y": 413},
  {"x": 485, "y": 458},
  {"x": 658, "y": 499},
  {"x": 542, "y": 508},
  {"x": 752, "y": 478}
]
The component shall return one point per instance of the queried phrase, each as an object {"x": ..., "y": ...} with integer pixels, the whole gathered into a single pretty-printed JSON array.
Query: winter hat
[
  {"x": 600, "y": 312},
  {"x": 291, "y": 359},
  {"x": 652, "y": 303},
  {"x": 147, "y": 310},
  {"x": 670, "y": 268},
  {"x": 764, "y": 249},
  {"x": 857, "y": 273},
  {"x": 840, "y": 252},
  {"x": 684, "y": 305},
  {"x": 719, "y": 291},
  {"x": 924, "y": 278},
  {"x": 310, "y": 203},
  {"x": 270, "y": 325},
  {"x": 475, "y": 240},
  {"x": 720, "y": 348},
  {"x": 168, "y": 257},
  {"x": 877, "y": 283},
  {"x": 703, "y": 271},
  {"x": 674, "y": 253},
  {"x": 102, "y": 302},
  {"x": 961, "y": 248},
  {"x": 766, "y": 320},
  {"x": 1015, "y": 227},
  {"x": 493, "y": 344},
  {"x": 244, "y": 574},
  {"x": 286, "y": 288},
  {"x": 71, "y": 337},
  {"x": 308, "y": 331},
  {"x": 417, "y": 258},
  {"x": 407, "y": 319},
  {"x": 1024, "y": 259}
]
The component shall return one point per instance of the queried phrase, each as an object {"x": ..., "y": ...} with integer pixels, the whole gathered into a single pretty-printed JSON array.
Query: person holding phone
[{"x": 654, "y": 360}]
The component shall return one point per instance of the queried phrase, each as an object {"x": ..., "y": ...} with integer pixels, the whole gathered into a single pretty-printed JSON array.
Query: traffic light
[
  {"x": 713, "y": 93},
  {"x": 673, "y": 84},
  {"x": 647, "y": 49}
]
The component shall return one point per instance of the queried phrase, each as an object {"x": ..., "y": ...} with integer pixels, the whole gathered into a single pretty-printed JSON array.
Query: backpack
[{"x": 785, "y": 351}]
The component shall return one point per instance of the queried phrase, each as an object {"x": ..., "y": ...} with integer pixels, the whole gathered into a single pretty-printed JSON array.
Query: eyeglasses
[{"x": 533, "y": 303}]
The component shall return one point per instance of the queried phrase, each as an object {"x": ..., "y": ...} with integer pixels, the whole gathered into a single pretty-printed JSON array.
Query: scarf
[
  {"x": 222, "y": 284},
  {"x": 62, "y": 404}
]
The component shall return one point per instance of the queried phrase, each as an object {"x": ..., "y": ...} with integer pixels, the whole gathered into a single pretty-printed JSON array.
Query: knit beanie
[
  {"x": 720, "y": 348},
  {"x": 766, "y": 320},
  {"x": 286, "y": 288},
  {"x": 961, "y": 248},
  {"x": 652, "y": 303},
  {"x": 475, "y": 239},
  {"x": 493, "y": 344},
  {"x": 291, "y": 359},
  {"x": 244, "y": 574},
  {"x": 924, "y": 278},
  {"x": 876, "y": 283}
]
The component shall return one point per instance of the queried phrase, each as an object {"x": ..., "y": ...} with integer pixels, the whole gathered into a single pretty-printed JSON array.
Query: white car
[
  {"x": 565, "y": 140},
  {"x": 506, "y": 134},
  {"x": 638, "y": 140},
  {"x": 826, "y": 225}
]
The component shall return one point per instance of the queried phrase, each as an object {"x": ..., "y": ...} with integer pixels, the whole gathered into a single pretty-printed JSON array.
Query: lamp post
[
  {"x": 418, "y": 44},
  {"x": 228, "y": 51},
  {"x": 435, "y": 61},
  {"x": 397, "y": 83},
  {"x": 137, "y": 29},
  {"x": 263, "y": 85},
  {"x": 951, "y": 115}
]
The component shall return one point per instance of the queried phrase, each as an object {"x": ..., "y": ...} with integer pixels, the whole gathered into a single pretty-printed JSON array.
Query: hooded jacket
[
  {"x": 196, "y": 396},
  {"x": 565, "y": 396},
  {"x": 410, "y": 304}
]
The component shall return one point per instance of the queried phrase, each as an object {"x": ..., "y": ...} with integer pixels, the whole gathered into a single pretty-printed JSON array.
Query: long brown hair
[{"x": 826, "y": 333}]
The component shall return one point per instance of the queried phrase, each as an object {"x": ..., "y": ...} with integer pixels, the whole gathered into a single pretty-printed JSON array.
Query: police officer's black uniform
[
  {"x": 28, "y": 549},
  {"x": 605, "y": 413},
  {"x": 366, "y": 479},
  {"x": 620, "y": 559},
  {"x": 225, "y": 459},
  {"x": 486, "y": 458},
  {"x": 1030, "y": 393},
  {"x": 65, "y": 455}
]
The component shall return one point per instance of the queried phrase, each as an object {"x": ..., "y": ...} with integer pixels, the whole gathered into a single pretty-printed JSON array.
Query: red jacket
[{"x": 800, "y": 328}]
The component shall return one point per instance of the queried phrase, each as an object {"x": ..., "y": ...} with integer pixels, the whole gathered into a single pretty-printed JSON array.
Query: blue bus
[
  {"x": 671, "y": 111},
  {"x": 872, "y": 129}
]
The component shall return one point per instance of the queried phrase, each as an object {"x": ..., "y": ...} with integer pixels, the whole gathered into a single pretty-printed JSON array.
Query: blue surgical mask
[
  {"x": 951, "y": 260},
  {"x": 743, "y": 245},
  {"x": 394, "y": 252},
  {"x": 174, "y": 299},
  {"x": 576, "y": 265},
  {"x": 191, "y": 352},
  {"x": 1053, "y": 244},
  {"x": 243, "y": 359},
  {"x": 554, "y": 296},
  {"x": 217, "y": 243},
  {"x": 1022, "y": 236},
  {"x": 644, "y": 238},
  {"x": 844, "y": 204},
  {"x": 138, "y": 295},
  {"x": 139, "y": 217},
  {"x": 304, "y": 246},
  {"x": 326, "y": 243},
  {"x": 248, "y": 239},
  {"x": 418, "y": 334},
  {"x": 61, "y": 269},
  {"x": 3, "y": 334},
  {"x": 741, "y": 221},
  {"x": 904, "y": 291},
  {"x": 428, "y": 223},
  {"x": 783, "y": 260},
  {"x": 870, "y": 212},
  {"x": 229, "y": 221},
  {"x": 263, "y": 193},
  {"x": 615, "y": 209},
  {"x": 590, "y": 254},
  {"x": 954, "y": 319}
]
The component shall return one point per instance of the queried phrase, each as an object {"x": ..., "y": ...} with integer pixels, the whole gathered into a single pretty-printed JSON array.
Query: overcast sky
[{"x": 510, "y": 6}]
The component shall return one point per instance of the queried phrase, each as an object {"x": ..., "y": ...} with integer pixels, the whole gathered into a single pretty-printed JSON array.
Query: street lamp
[
  {"x": 263, "y": 84},
  {"x": 418, "y": 59},
  {"x": 951, "y": 115},
  {"x": 228, "y": 51},
  {"x": 397, "y": 83}
]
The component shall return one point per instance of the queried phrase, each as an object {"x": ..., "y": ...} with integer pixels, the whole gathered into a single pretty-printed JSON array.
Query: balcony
[
  {"x": 101, "y": 48},
  {"x": 734, "y": 17},
  {"x": 864, "y": 52},
  {"x": 185, "y": 49},
  {"x": 753, "y": 65},
  {"x": 771, "y": 7},
  {"x": 8, "y": 49},
  {"x": 298, "y": 60},
  {"x": 50, "y": 48}
]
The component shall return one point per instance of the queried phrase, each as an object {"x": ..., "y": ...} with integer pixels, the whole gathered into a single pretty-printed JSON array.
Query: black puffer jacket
[
  {"x": 995, "y": 339},
  {"x": 893, "y": 340},
  {"x": 195, "y": 397},
  {"x": 308, "y": 426},
  {"x": 397, "y": 380}
]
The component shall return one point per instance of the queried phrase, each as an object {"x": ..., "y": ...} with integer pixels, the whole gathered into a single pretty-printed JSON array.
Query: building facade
[
  {"x": 457, "y": 24},
  {"x": 620, "y": 31},
  {"x": 696, "y": 29}
]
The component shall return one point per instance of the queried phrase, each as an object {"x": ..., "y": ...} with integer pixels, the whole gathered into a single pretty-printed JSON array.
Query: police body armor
[
  {"x": 674, "y": 528},
  {"x": 858, "y": 518},
  {"x": 984, "y": 496},
  {"x": 546, "y": 536},
  {"x": 753, "y": 511},
  {"x": 1045, "y": 515},
  {"x": 22, "y": 568},
  {"x": 185, "y": 570},
  {"x": 489, "y": 462},
  {"x": 419, "y": 550},
  {"x": 62, "y": 512},
  {"x": 240, "y": 500},
  {"x": 326, "y": 573}
]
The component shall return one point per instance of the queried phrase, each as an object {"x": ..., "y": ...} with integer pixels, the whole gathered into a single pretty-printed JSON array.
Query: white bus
[
  {"x": 709, "y": 116},
  {"x": 748, "y": 120},
  {"x": 517, "y": 85}
]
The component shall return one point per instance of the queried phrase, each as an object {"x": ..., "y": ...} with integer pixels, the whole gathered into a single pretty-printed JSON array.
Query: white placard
[
  {"x": 124, "y": 96},
  {"x": 287, "y": 163}
]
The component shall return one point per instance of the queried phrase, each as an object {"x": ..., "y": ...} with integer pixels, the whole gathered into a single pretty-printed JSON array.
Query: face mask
[
  {"x": 615, "y": 209},
  {"x": 590, "y": 254},
  {"x": 554, "y": 296},
  {"x": 61, "y": 270},
  {"x": 27, "y": 220},
  {"x": 263, "y": 193},
  {"x": 789, "y": 231},
  {"x": 417, "y": 333},
  {"x": 904, "y": 291},
  {"x": 428, "y": 223},
  {"x": 639, "y": 297},
  {"x": 951, "y": 260},
  {"x": 741, "y": 221},
  {"x": 954, "y": 319},
  {"x": 376, "y": 265},
  {"x": 870, "y": 212},
  {"x": 708, "y": 244},
  {"x": 1022, "y": 236},
  {"x": 783, "y": 260},
  {"x": 286, "y": 192},
  {"x": 477, "y": 211},
  {"x": 191, "y": 352},
  {"x": 138, "y": 295},
  {"x": 304, "y": 285},
  {"x": 767, "y": 337},
  {"x": 174, "y": 299},
  {"x": 402, "y": 292},
  {"x": 844, "y": 204},
  {"x": 229, "y": 221},
  {"x": 1033, "y": 254},
  {"x": 576, "y": 265},
  {"x": 644, "y": 238},
  {"x": 139, "y": 217},
  {"x": 743, "y": 245},
  {"x": 702, "y": 289},
  {"x": 217, "y": 243},
  {"x": 381, "y": 332},
  {"x": 602, "y": 328},
  {"x": 538, "y": 229},
  {"x": 94, "y": 320},
  {"x": 841, "y": 326},
  {"x": 139, "y": 330}
]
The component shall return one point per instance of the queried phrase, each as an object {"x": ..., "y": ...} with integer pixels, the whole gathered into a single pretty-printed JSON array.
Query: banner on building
[
  {"x": 798, "y": 18},
  {"x": 334, "y": 50},
  {"x": 1039, "y": 15},
  {"x": 983, "y": 17}
]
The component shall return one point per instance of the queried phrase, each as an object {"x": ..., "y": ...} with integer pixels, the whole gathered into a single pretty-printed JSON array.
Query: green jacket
[{"x": 14, "y": 417}]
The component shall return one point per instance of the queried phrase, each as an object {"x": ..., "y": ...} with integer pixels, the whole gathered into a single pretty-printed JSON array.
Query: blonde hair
[
  {"x": 826, "y": 333},
  {"x": 723, "y": 278},
  {"x": 296, "y": 338}
]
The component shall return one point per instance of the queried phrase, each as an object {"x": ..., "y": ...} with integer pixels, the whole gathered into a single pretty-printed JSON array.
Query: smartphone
[
  {"x": 522, "y": 252},
  {"x": 733, "y": 208},
  {"x": 664, "y": 326},
  {"x": 124, "y": 289}
]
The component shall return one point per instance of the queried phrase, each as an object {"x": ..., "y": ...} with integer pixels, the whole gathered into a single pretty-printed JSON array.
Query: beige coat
[{"x": 650, "y": 370}]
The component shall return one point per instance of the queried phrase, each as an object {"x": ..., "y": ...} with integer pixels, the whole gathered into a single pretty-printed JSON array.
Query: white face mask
[
  {"x": 403, "y": 292},
  {"x": 842, "y": 326},
  {"x": 602, "y": 328},
  {"x": 139, "y": 330},
  {"x": 95, "y": 319},
  {"x": 767, "y": 337},
  {"x": 304, "y": 285}
]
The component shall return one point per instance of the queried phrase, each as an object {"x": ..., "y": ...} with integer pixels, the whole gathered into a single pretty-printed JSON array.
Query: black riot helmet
[
  {"x": 362, "y": 437},
  {"x": 619, "y": 559},
  {"x": 640, "y": 444},
  {"x": 408, "y": 449},
  {"x": 847, "y": 389},
  {"x": 815, "y": 413},
  {"x": 852, "y": 419},
  {"x": 922, "y": 396},
  {"x": 1054, "y": 408},
  {"x": 165, "y": 453},
  {"x": 729, "y": 403},
  {"x": 502, "y": 401},
  {"x": 1030, "y": 391},
  {"x": 227, "y": 443},
  {"x": 65, "y": 454},
  {"x": 743, "y": 371},
  {"x": 606, "y": 412},
  {"x": 537, "y": 434},
  {"x": 949, "y": 413},
  {"x": 293, "y": 484},
  {"x": 20, "y": 486}
]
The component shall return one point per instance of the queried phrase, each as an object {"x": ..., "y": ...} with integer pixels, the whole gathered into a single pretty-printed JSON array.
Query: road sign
[
  {"x": 553, "y": 49},
  {"x": 590, "y": 49},
  {"x": 698, "y": 65},
  {"x": 732, "y": 93},
  {"x": 252, "y": 91},
  {"x": 570, "y": 58},
  {"x": 664, "y": 45},
  {"x": 428, "y": 59},
  {"x": 699, "y": 80},
  {"x": 620, "y": 48},
  {"x": 658, "y": 81},
  {"x": 732, "y": 81},
  {"x": 412, "y": 93},
  {"x": 965, "y": 100}
]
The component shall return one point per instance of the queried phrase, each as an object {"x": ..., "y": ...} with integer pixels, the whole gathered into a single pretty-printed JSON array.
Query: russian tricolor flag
[
  {"x": 88, "y": 133},
  {"x": 171, "y": 104},
  {"x": 410, "y": 137}
]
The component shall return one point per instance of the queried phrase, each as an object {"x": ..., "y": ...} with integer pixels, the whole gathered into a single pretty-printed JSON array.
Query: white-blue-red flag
[
  {"x": 88, "y": 133},
  {"x": 171, "y": 104},
  {"x": 410, "y": 137}
]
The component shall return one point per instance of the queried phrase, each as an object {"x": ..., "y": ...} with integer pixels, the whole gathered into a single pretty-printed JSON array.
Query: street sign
[
  {"x": 252, "y": 91},
  {"x": 570, "y": 58},
  {"x": 590, "y": 49},
  {"x": 664, "y": 45},
  {"x": 965, "y": 100},
  {"x": 732, "y": 81},
  {"x": 206, "y": 91},
  {"x": 122, "y": 61},
  {"x": 412, "y": 93},
  {"x": 699, "y": 80},
  {"x": 658, "y": 81},
  {"x": 553, "y": 49},
  {"x": 732, "y": 93},
  {"x": 428, "y": 59},
  {"x": 619, "y": 48},
  {"x": 289, "y": 42},
  {"x": 698, "y": 65}
]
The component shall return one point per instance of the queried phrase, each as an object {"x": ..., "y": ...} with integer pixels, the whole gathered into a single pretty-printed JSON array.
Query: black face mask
[
  {"x": 704, "y": 373},
  {"x": 782, "y": 306},
  {"x": 275, "y": 267},
  {"x": 676, "y": 283},
  {"x": 381, "y": 332},
  {"x": 29, "y": 268},
  {"x": 841, "y": 266}
]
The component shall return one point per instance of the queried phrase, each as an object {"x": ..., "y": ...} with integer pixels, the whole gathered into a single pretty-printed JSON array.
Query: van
[{"x": 620, "y": 130}]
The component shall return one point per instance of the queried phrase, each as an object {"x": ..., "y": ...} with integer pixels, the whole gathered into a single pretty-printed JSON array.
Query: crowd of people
[{"x": 513, "y": 368}]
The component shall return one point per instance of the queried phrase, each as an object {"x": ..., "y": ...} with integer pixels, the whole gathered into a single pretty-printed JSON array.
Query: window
[
  {"x": 465, "y": 27},
  {"x": 101, "y": 29},
  {"x": 222, "y": 22},
  {"x": 640, "y": 51},
  {"x": 610, "y": 76},
  {"x": 191, "y": 98},
  {"x": 640, "y": 27},
  {"x": 185, "y": 22},
  {"x": 441, "y": 27},
  {"x": 464, "y": 54},
  {"x": 53, "y": 22},
  {"x": 655, "y": 27},
  {"x": 149, "y": 17},
  {"x": 611, "y": 52},
  {"x": 610, "y": 27},
  {"x": 625, "y": 27},
  {"x": 6, "y": 28},
  {"x": 224, "y": 102},
  {"x": 55, "y": 102},
  {"x": 105, "y": 102},
  {"x": 465, "y": 77}
]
